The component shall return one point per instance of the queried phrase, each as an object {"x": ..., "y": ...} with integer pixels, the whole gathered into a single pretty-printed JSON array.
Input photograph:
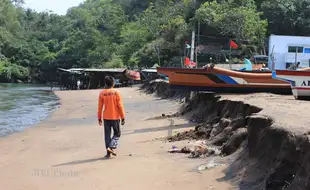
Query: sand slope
[
  {"x": 66, "y": 150},
  {"x": 268, "y": 134}
]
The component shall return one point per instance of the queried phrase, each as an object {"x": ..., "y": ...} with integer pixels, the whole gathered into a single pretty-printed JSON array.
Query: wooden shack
[
  {"x": 90, "y": 78},
  {"x": 149, "y": 74}
]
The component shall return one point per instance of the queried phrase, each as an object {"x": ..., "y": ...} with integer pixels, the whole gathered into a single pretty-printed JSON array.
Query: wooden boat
[
  {"x": 133, "y": 75},
  {"x": 304, "y": 69},
  {"x": 224, "y": 81},
  {"x": 299, "y": 80}
]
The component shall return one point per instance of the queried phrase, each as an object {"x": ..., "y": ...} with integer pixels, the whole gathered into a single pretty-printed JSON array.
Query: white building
[{"x": 286, "y": 50}]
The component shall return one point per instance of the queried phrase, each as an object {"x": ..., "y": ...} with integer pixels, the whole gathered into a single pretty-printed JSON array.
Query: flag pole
[
  {"x": 192, "y": 46},
  {"x": 230, "y": 55},
  {"x": 184, "y": 56},
  {"x": 196, "y": 58},
  {"x": 198, "y": 32}
]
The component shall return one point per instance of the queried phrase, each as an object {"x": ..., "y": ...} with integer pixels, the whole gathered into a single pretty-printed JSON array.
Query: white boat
[{"x": 300, "y": 82}]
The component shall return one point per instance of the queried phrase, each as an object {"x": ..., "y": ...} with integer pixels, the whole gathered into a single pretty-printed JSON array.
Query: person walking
[
  {"x": 78, "y": 84},
  {"x": 113, "y": 115}
]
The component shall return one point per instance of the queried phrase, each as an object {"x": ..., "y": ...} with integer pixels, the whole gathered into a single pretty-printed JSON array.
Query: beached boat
[
  {"x": 224, "y": 81},
  {"x": 133, "y": 75},
  {"x": 299, "y": 80}
]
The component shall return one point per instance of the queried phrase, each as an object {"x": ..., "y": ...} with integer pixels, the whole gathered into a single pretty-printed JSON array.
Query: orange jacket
[{"x": 113, "y": 105}]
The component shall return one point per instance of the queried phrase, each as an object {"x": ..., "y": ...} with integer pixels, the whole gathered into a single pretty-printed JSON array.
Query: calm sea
[{"x": 23, "y": 106}]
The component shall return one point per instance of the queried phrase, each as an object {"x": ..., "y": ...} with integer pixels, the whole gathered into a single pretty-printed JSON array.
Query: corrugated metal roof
[
  {"x": 71, "y": 71},
  {"x": 77, "y": 70},
  {"x": 117, "y": 70}
]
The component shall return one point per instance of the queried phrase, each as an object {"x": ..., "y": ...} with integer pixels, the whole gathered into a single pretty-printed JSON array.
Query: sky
[{"x": 57, "y": 6}]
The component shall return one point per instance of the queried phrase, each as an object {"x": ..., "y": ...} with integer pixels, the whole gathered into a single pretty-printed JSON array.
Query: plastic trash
[{"x": 209, "y": 166}]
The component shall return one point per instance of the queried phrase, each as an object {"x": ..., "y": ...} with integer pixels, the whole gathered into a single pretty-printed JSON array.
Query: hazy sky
[{"x": 57, "y": 6}]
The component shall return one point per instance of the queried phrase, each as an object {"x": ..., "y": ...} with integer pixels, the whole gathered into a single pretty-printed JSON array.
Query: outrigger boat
[
  {"x": 221, "y": 80},
  {"x": 299, "y": 80}
]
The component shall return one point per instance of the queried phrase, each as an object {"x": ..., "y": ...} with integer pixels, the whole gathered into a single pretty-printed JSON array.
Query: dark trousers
[{"x": 108, "y": 126}]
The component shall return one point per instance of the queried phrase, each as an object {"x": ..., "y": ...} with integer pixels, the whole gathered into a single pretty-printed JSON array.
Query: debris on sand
[
  {"x": 184, "y": 150},
  {"x": 196, "y": 150},
  {"x": 164, "y": 116},
  {"x": 209, "y": 166},
  {"x": 204, "y": 151}
]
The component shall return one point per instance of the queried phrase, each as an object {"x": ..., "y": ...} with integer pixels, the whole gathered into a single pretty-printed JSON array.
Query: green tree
[
  {"x": 119, "y": 33},
  {"x": 287, "y": 17},
  {"x": 133, "y": 37},
  {"x": 234, "y": 18}
]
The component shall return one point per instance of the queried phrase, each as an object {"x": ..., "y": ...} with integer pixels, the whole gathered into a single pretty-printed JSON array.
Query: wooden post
[
  {"x": 192, "y": 46},
  {"x": 184, "y": 57},
  {"x": 272, "y": 59},
  {"x": 198, "y": 32},
  {"x": 230, "y": 67},
  {"x": 296, "y": 51}
]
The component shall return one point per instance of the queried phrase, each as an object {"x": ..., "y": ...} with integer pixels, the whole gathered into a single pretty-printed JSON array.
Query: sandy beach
[
  {"x": 66, "y": 150},
  {"x": 287, "y": 112}
]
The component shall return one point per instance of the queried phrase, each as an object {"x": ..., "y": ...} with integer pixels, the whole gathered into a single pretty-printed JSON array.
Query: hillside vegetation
[{"x": 132, "y": 33}]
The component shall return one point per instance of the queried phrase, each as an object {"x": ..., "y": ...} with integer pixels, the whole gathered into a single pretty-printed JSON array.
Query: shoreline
[
  {"x": 40, "y": 103},
  {"x": 70, "y": 142}
]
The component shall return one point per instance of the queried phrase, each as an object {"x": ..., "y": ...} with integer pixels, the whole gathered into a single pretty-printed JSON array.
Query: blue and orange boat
[{"x": 221, "y": 80}]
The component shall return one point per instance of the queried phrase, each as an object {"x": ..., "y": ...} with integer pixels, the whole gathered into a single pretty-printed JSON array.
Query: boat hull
[
  {"x": 232, "y": 90},
  {"x": 224, "y": 81},
  {"x": 299, "y": 80},
  {"x": 133, "y": 75}
]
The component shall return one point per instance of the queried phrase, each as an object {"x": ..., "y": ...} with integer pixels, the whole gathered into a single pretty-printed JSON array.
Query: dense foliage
[{"x": 132, "y": 33}]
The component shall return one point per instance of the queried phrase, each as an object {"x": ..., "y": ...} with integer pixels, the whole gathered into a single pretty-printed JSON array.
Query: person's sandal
[
  {"x": 107, "y": 156},
  {"x": 111, "y": 151}
]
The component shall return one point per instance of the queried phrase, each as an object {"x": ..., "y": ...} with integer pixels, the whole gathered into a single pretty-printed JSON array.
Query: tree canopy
[{"x": 132, "y": 33}]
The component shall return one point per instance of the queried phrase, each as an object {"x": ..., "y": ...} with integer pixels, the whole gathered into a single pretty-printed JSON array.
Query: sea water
[{"x": 23, "y": 106}]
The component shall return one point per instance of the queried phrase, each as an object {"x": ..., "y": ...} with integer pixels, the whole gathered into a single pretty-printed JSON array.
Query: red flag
[
  {"x": 187, "y": 61},
  {"x": 233, "y": 45},
  {"x": 190, "y": 63}
]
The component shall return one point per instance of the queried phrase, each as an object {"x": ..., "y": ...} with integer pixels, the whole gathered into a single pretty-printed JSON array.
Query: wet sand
[{"x": 66, "y": 150}]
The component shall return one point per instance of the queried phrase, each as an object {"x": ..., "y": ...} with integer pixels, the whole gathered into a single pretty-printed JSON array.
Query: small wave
[{"x": 30, "y": 104}]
